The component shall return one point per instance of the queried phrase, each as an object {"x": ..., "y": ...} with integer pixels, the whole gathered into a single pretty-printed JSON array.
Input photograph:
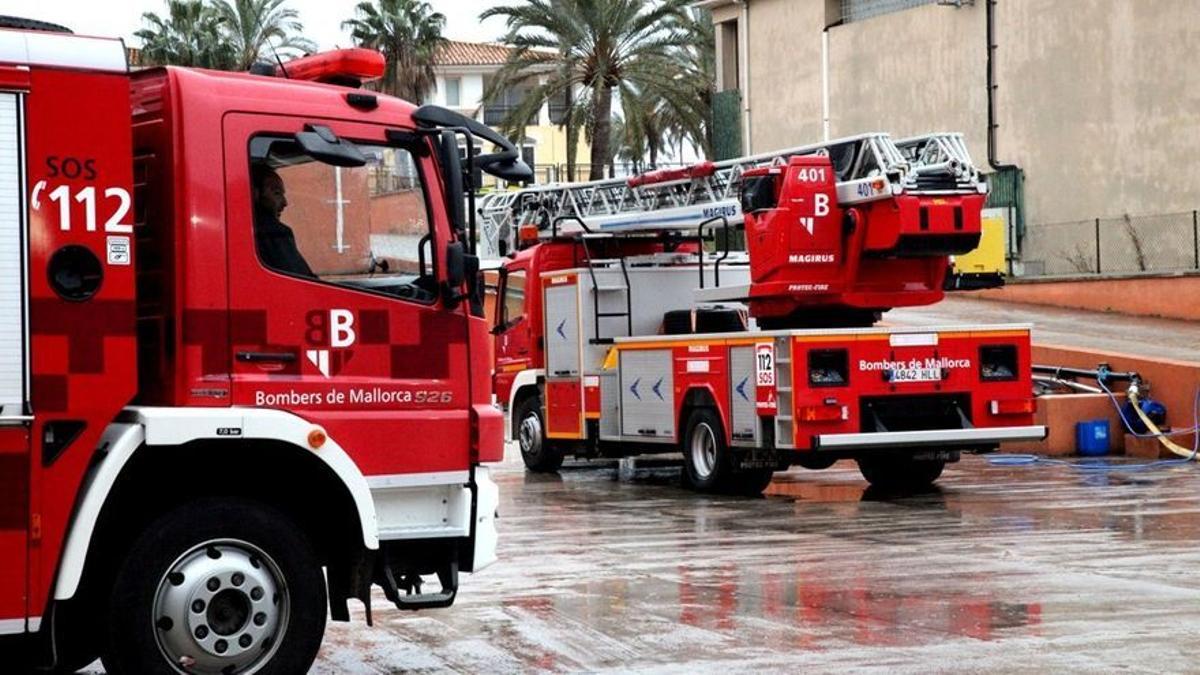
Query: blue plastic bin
[{"x": 1091, "y": 438}]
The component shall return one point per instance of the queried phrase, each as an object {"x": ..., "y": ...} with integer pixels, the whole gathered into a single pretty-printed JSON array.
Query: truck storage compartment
[{"x": 915, "y": 413}]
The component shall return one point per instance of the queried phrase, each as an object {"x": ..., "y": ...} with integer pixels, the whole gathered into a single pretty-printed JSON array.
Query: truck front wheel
[
  {"x": 217, "y": 586},
  {"x": 900, "y": 473},
  {"x": 529, "y": 430}
]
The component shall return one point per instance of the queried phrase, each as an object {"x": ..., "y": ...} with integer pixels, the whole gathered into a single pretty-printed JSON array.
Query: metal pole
[
  {"x": 1097, "y": 246},
  {"x": 1195, "y": 240}
]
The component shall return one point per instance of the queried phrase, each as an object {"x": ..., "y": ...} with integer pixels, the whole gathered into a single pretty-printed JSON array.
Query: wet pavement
[
  {"x": 1018, "y": 569},
  {"x": 1141, "y": 336}
]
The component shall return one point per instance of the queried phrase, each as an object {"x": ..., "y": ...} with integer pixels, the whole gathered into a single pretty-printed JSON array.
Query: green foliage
[
  {"x": 221, "y": 34},
  {"x": 192, "y": 34},
  {"x": 408, "y": 33},
  {"x": 253, "y": 27},
  {"x": 673, "y": 115},
  {"x": 585, "y": 51},
  {"x": 727, "y": 125}
]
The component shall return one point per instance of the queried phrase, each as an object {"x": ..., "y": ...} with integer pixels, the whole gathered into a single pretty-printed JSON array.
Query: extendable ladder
[{"x": 868, "y": 167}]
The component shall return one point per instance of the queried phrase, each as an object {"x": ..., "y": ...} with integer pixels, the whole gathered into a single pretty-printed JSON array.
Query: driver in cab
[{"x": 274, "y": 241}]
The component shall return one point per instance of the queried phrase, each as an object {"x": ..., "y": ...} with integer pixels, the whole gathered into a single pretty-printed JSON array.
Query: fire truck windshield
[{"x": 365, "y": 227}]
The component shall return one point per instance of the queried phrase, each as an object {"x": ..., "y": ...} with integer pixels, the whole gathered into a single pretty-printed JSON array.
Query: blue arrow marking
[
  {"x": 741, "y": 388},
  {"x": 633, "y": 389},
  {"x": 560, "y": 329},
  {"x": 656, "y": 391}
]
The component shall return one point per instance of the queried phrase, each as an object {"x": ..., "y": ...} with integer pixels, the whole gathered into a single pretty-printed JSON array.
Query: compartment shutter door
[{"x": 12, "y": 258}]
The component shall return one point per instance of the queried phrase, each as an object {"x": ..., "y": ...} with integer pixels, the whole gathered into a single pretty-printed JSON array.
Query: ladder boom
[{"x": 868, "y": 167}]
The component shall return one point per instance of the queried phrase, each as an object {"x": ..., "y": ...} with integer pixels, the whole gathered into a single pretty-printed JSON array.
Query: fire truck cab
[{"x": 244, "y": 368}]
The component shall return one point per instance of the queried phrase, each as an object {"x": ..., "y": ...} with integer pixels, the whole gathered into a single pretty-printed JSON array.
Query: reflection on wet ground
[{"x": 1026, "y": 569}]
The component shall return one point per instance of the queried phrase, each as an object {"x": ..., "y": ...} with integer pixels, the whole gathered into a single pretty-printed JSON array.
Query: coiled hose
[{"x": 1162, "y": 436}]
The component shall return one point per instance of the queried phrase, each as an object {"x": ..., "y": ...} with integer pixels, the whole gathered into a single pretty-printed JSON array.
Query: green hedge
[{"x": 727, "y": 124}]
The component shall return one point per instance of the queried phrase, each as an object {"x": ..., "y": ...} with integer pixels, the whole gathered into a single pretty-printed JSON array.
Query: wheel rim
[
  {"x": 529, "y": 434},
  {"x": 221, "y": 607},
  {"x": 704, "y": 450}
]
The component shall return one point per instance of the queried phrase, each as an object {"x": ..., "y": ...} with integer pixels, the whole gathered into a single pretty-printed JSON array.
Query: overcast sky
[{"x": 322, "y": 18}]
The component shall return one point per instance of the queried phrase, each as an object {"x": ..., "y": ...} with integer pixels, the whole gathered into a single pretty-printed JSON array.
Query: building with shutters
[{"x": 464, "y": 72}]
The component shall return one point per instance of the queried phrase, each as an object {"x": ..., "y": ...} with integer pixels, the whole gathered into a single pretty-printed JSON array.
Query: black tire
[
  {"x": 20, "y": 23},
  {"x": 898, "y": 473},
  {"x": 707, "y": 466},
  {"x": 719, "y": 320},
  {"x": 678, "y": 322},
  {"x": 703, "y": 320},
  {"x": 708, "y": 463},
  {"x": 529, "y": 431},
  {"x": 241, "y": 535}
]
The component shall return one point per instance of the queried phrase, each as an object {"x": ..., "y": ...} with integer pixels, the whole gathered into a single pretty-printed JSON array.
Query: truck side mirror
[
  {"x": 452, "y": 175},
  {"x": 505, "y": 168},
  {"x": 320, "y": 143},
  {"x": 456, "y": 273}
]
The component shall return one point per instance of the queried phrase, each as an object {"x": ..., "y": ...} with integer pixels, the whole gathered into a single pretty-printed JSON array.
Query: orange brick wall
[
  {"x": 312, "y": 215},
  {"x": 1171, "y": 297}
]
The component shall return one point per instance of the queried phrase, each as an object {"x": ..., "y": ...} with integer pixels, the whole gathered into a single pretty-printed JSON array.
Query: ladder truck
[
  {"x": 244, "y": 364},
  {"x": 624, "y": 325}
]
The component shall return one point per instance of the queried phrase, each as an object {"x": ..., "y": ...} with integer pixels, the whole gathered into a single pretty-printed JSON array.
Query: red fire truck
[
  {"x": 618, "y": 333},
  {"x": 244, "y": 369}
]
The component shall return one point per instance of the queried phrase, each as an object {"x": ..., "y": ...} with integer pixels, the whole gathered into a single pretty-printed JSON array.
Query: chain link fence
[{"x": 1126, "y": 245}]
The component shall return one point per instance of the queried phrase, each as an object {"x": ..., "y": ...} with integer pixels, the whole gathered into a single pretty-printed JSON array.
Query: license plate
[{"x": 916, "y": 375}]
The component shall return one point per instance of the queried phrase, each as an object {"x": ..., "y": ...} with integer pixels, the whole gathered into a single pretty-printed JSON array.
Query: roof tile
[{"x": 455, "y": 53}]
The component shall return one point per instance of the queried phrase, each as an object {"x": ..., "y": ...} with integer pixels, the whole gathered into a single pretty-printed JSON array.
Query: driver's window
[
  {"x": 366, "y": 227},
  {"x": 514, "y": 297}
]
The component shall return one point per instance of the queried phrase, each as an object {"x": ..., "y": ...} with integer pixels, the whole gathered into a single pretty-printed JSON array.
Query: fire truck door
[
  {"x": 564, "y": 374},
  {"x": 335, "y": 310},
  {"x": 513, "y": 340},
  {"x": 81, "y": 289}
]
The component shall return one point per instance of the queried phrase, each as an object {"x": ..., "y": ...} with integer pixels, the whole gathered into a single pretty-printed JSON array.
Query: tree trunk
[
  {"x": 572, "y": 144},
  {"x": 653, "y": 156},
  {"x": 602, "y": 123}
]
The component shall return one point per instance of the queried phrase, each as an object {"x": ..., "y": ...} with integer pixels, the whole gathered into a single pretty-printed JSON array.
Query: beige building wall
[
  {"x": 911, "y": 72},
  {"x": 783, "y": 55},
  {"x": 1097, "y": 100}
]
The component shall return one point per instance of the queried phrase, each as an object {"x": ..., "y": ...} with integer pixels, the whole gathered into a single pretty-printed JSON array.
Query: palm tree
[
  {"x": 627, "y": 145},
  {"x": 592, "y": 48},
  {"x": 252, "y": 25},
  {"x": 190, "y": 35},
  {"x": 671, "y": 116},
  {"x": 408, "y": 33},
  {"x": 573, "y": 120}
]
